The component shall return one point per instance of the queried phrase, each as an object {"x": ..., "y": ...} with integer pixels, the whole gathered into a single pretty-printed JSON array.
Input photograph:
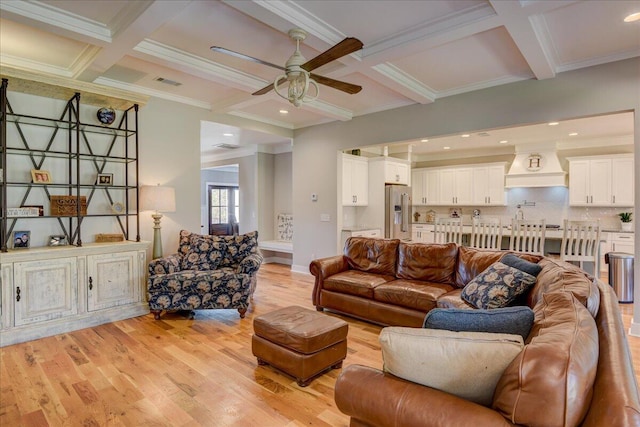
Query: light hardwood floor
[{"x": 179, "y": 372}]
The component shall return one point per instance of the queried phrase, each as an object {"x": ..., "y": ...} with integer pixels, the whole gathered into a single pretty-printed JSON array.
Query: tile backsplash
[{"x": 549, "y": 203}]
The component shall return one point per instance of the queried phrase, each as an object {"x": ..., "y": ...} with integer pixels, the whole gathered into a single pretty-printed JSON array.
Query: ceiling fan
[{"x": 297, "y": 70}]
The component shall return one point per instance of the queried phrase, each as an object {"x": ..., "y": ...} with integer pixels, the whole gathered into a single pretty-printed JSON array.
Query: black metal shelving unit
[{"x": 82, "y": 159}]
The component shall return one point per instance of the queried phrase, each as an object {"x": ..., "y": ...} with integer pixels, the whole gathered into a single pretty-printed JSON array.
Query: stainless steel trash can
[{"x": 621, "y": 274}]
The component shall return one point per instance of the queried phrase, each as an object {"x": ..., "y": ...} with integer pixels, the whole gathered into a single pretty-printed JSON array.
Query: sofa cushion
[
  {"x": 355, "y": 282},
  {"x": 562, "y": 276},
  {"x": 466, "y": 364},
  {"x": 204, "y": 253},
  {"x": 377, "y": 256},
  {"x": 237, "y": 247},
  {"x": 427, "y": 262},
  {"x": 452, "y": 299},
  {"x": 411, "y": 293},
  {"x": 497, "y": 286},
  {"x": 507, "y": 320},
  {"x": 515, "y": 261},
  {"x": 472, "y": 261},
  {"x": 550, "y": 383}
]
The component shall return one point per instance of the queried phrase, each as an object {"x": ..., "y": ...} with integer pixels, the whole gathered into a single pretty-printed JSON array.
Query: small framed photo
[
  {"x": 40, "y": 176},
  {"x": 104, "y": 179},
  {"x": 58, "y": 240},
  {"x": 39, "y": 207},
  {"x": 21, "y": 239}
]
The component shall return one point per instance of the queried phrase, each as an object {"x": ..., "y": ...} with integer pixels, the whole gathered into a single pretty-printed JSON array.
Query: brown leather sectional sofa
[{"x": 575, "y": 368}]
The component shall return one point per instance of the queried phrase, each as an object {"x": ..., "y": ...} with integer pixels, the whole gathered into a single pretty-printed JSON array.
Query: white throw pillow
[{"x": 466, "y": 364}]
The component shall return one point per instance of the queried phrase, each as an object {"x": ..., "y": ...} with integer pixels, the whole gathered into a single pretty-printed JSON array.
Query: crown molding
[
  {"x": 221, "y": 72},
  {"x": 64, "y": 88},
  {"x": 405, "y": 80},
  {"x": 50, "y": 15},
  {"x": 152, "y": 92}
]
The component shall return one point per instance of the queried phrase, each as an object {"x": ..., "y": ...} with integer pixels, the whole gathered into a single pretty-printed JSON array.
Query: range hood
[{"x": 537, "y": 166}]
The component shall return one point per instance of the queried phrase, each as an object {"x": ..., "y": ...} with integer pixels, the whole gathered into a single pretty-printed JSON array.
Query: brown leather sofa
[{"x": 575, "y": 368}]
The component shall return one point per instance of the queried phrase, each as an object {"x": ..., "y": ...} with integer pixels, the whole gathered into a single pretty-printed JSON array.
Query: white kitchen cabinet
[
  {"x": 425, "y": 186},
  {"x": 456, "y": 186},
  {"x": 45, "y": 290},
  {"x": 622, "y": 181},
  {"x": 396, "y": 172},
  {"x": 48, "y": 291},
  {"x": 111, "y": 280},
  {"x": 355, "y": 180},
  {"x": 422, "y": 233},
  {"x": 601, "y": 181},
  {"x": 488, "y": 185},
  {"x": 622, "y": 242},
  {"x": 373, "y": 233}
]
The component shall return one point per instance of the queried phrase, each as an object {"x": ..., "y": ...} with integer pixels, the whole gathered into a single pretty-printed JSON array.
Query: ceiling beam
[
  {"x": 129, "y": 33},
  {"x": 528, "y": 32}
]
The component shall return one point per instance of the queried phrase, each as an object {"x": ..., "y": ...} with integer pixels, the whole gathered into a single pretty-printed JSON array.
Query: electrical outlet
[
  {"x": 325, "y": 217},
  {"x": 314, "y": 197}
]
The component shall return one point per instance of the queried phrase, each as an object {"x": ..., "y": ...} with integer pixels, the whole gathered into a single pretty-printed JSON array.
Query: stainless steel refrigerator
[{"x": 397, "y": 217}]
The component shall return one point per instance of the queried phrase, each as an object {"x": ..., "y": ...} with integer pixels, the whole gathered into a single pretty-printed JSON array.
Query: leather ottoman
[{"x": 300, "y": 342}]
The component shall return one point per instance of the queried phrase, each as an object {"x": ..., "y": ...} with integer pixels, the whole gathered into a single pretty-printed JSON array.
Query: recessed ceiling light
[
  {"x": 424, "y": 140},
  {"x": 633, "y": 17},
  {"x": 227, "y": 134},
  {"x": 446, "y": 148},
  {"x": 573, "y": 134},
  {"x": 554, "y": 123},
  {"x": 284, "y": 112},
  {"x": 466, "y": 135},
  {"x": 504, "y": 141}
]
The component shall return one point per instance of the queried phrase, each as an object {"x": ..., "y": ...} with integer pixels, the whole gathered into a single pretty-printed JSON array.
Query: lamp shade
[{"x": 157, "y": 198}]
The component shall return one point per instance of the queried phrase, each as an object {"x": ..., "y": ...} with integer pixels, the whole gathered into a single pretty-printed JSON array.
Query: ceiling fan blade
[
  {"x": 337, "y": 84},
  {"x": 345, "y": 47},
  {"x": 263, "y": 90},
  {"x": 243, "y": 56}
]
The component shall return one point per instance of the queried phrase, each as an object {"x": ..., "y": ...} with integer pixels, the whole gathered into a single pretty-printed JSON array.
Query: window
[{"x": 224, "y": 207}]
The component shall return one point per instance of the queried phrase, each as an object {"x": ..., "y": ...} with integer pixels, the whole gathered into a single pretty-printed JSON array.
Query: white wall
[
  {"x": 282, "y": 176},
  {"x": 170, "y": 155},
  {"x": 596, "y": 90}
]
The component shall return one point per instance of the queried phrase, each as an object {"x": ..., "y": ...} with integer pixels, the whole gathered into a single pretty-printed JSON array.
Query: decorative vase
[{"x": 626, "y": 226}]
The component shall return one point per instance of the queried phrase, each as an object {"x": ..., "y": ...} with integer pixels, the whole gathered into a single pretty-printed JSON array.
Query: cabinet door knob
[
  {"x": 18, "y": 293},
  {"x": 90, "y": 283}
]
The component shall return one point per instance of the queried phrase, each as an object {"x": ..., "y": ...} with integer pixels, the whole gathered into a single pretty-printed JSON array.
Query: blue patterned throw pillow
[
  {"x": 507, "y": 320},
  {"x": 497, "y": 286},
  {"x": 204, "y": 253}
]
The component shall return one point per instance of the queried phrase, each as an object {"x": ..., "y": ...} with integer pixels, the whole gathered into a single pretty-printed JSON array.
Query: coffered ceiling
[{"x": 414, "y": 51}]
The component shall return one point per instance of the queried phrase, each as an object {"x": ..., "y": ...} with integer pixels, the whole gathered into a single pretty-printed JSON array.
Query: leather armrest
[
  {"x": 323, "y": 268},
  {"x": 381, "y": 399}
]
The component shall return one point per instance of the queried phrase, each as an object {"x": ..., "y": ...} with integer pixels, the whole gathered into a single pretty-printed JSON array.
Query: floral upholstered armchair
[{"x": 208, "y": 272}]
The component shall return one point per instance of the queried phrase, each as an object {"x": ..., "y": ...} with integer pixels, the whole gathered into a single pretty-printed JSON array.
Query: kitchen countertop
[{"x": 350, "y": 228}]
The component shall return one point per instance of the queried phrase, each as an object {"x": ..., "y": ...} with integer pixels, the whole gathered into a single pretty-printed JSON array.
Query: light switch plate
[{"x": 325, "y": 217}]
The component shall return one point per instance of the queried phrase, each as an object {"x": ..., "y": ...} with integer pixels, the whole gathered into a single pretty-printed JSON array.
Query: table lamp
[{"x": 157, "y": 198}]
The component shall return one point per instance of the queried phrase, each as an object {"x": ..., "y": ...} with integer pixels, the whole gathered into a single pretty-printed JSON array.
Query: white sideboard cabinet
[{"x": 48, "y": 291}]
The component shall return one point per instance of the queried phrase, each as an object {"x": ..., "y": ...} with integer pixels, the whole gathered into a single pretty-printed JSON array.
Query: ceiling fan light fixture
[{"x": 297, "y": 92}]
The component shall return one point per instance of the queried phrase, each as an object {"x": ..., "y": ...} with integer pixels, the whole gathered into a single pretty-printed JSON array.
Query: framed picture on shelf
[
  {"x": 40, "y": 176},
  {"x": 58, "y": 240},
  {"x": 104, "y": 179},
  {"x": 39, "y": 207},
  {"x": 21, "y": 239}
]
